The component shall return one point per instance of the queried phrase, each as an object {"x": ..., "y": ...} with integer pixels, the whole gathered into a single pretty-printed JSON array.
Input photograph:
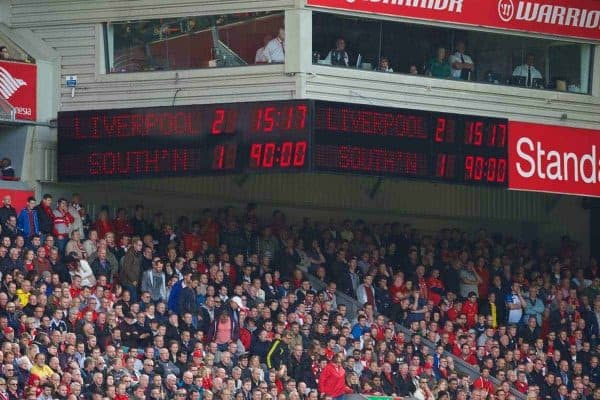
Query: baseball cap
[
  {"x": 8, "y": 330},
  {"x": 197, "y": 354}
]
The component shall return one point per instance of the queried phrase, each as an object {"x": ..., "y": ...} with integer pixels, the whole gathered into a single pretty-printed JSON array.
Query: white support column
[
  {"x": 596, "y": 73},
  {"x": 298, "y": 40}
]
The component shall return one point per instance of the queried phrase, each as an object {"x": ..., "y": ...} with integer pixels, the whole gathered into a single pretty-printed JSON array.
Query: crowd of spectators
[{"x": 131, "y": 307}]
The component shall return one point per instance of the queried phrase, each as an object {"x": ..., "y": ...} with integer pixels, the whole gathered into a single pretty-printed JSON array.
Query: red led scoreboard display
[
  {"x": 188, "y": 140},
  {"x": 282, "y": 136},
  {"x": 412, "y": 144}
]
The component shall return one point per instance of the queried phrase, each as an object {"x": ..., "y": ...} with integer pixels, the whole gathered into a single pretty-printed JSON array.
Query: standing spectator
[
  {"x": 469, "y": 280},
  {"x": 78, "y": 212},
  {"x": 275, "y": 49},
  {"x": 7, "y": 210},
  {"x": 103, "y": 225},
  {"x": 140, "y": 226},
  {"x": 154, "y": 281},
  {"x": 439, "y": 66},
  {"x": 462, "y": 64},
  {"x": 279, "y": 351},
  {"x": 366, "y": 293},
  {"x": 332, "y": 381},
  {"x": 132, "y": 268},
  {"x": 45, "y": 216},
  {"x": 28, "y": 222},
  {"x": 515, "y": 303},
  {"x": 63, "y": 221},
  {"x": 534, "y": 306}
]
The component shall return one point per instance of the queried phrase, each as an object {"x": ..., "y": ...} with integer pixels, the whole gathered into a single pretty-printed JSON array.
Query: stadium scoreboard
[{"x": 280, "y": 136}]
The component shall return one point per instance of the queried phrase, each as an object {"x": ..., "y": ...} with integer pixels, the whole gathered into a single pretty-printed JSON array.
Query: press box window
[
  {"x": 500, "y": 59},
  {"x": 189, "y": 43}
]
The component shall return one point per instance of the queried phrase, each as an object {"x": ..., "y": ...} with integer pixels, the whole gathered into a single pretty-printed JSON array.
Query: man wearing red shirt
[
  {"x": 192, "y": 240},
  {"x": 467, "y": 355},
  {"x": 210, "y": 229},
  {"x": 471, "y": 309},
  {"x": 483, "y": 382},
  {"x": 332, "y": 381}
]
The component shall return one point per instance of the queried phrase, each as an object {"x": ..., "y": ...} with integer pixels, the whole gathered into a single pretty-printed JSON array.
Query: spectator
[
  {"x": 439, "y": 66},
  {"x": 4, "y": 54},
  {"x": 45, "y": 215},
  {"x": 7, "y": 210},
  {"x": 154, "y": 281},
  {"x": 527, "y": 75},
  {"x": 7, "y": 170},
  {"x": 28, "y": 222},
  {"x": 332, "y": 381},
  {"x": 262, "y": 56},
  {"x": 338, "y": 56},
  {"x": 384, "y": 65},
  {"x": 132, "y": 269},
  {"x": 63, "y": 221},
  {"x": 462, "y": 64},
  {"x": 275, "y": 49}
]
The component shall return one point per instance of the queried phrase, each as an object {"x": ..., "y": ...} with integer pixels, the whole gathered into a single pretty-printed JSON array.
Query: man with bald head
[{"x": 6, "y": 210}]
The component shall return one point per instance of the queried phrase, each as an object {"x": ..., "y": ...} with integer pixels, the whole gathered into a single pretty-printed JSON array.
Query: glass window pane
[
  {"x": 445, "y": 53},
  {"x": 194, "y": 42}
]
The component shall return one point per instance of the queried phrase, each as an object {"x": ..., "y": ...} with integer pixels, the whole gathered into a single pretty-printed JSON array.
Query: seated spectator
[
  {"x": 462, "y": 64},
  {"x": 527, "y": 74},
  {"x": 4, "y": 55},
  {"x": 413, "y": 70},
  {"x": 384, "y": 65},
  {"x": 439, "y": 66},
  {"x": 7, "y": 169},
  {"x": 338, "y": 56}
]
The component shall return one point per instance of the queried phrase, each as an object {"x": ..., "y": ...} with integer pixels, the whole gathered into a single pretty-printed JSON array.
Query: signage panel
[
  {"x": 555, "y": 159},
  {"x": 568, "y": 18},
  {"x": 18, "y": 85}
]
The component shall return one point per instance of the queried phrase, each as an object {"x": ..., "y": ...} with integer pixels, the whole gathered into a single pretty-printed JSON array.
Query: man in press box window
[
  {"x": 462, "y": 64},
  {"x": 527, "y": 74},
  {"x": 338, "y": 56},
  {"x": 275, "y": 49}
]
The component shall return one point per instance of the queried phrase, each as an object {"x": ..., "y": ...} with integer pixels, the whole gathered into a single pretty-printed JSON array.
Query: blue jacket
[
  {"x": 173, "y": 303},
  {"x": 23, "y": 223}
]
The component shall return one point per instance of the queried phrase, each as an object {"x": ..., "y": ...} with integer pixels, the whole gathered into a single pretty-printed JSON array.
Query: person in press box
[{"x": 527, "y": 74}]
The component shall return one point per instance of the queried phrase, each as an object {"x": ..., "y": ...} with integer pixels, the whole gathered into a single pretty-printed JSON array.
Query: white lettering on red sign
[
  {"x": 549, "y": 164},
  {"x": 439, "y": 5},
  {"x": 549, "y": 14}
]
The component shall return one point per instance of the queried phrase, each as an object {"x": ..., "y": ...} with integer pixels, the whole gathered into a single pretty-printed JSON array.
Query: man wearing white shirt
[
  {"x": 462, "y": 64},
  {"x": 338, "y": 56},
  {"x": 527, "y": 75},
  {"x": 261, "y": 56},
  {"x": 275, "y": 49}
]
